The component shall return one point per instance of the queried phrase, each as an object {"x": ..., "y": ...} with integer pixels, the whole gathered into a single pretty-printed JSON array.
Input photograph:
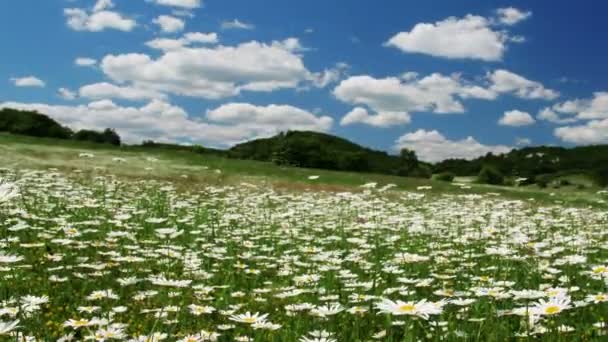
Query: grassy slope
[{"x": 21, "y": 152}]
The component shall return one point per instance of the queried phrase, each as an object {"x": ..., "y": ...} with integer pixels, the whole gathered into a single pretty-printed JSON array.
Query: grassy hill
[
  {"x": 187, "y": 168},
  {"x": 318, "y": 150}
]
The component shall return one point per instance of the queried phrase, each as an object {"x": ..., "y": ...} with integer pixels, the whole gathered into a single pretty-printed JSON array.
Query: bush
[
  {"x": 421, "y": 171},
  {"x": 542, "y": 181},
  {"x": 445, "y": 177},
  {"x": 600, "y": 176},
  {"x": 490, "y": 175}
]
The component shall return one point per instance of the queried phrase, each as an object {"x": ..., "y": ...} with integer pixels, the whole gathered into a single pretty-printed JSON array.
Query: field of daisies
[{"x": 103, "y": 259}]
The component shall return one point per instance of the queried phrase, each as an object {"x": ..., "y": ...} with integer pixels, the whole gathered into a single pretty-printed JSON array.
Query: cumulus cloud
[
  {"x": 503, "y": 81},
  {"x": 592, "y": 132},
  {"x": 99, "y": 19},
  {"x": 393, "y": 98},
  {"x": 187, "y": 4},
  {"x": 380, "y": 119},
  {"x": 189, "y": 39},
  {"x": 432, "y": 146},
  {"x": 547, "y": 114},
  {"x": 236, "y": 24},
  {"x": 212, "y": 72},
  {"x": 516, "y": 118},
  {"x": 594, "y": 113},
  {"x": 28, "y": 81},
  {"x": 161, "y": 121},
  {"x": 169, "y": 24},
  {"x": 512, "y": 15},
  {"x": 471, "y": 37},
  {"x": 269, "y": 119},
  {"x": 66, "y": 94},
  {"x": 85, "y": 62},
  {"x": 105, "y": 90}
]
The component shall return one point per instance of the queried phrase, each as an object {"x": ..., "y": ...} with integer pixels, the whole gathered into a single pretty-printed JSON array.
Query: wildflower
[
  {"x": 553, "y": 306},
  {"x": 8, "y": 191},
  {"x": 249, "y": 318},
  {"x": 7, "y": 327},
  {"x": 422, "y": 309}
]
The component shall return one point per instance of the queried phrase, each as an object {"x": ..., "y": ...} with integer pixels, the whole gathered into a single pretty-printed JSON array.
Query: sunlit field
[{"x": 102, "y": 258}]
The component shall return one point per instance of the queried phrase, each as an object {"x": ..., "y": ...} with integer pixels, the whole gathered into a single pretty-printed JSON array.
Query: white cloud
[
  {"x": 469, "y": 37},
  {"x": 188, "y": 39},
  {"x": 387, "y": 96},
  {"x": 547, "y": 114},
  {"x": 236, "y": 25},
  {"x": 523, "y": 141},
  {"x": 592, "y": 132},
  {"x": 162, "y": 121},
  {"x": 101, "y": 5},
  {"x": 594, "y": 111},
  {"x": 380, "y": 119},
  {"x": 169, "y": 24},
  {"x": 106, "y": 90},
  {"x": 80, "y": 20},
  {"x": 212, "y": 72},
  {"x": 84, "y": 61},
  {"x": 269, "y": 119},
  {"x": 512, "y": 15},
  {"x": 516, "y": 118},
  {"x": 432, "y": 146},
  {"x": 189, "y": 4},
  {"x": 66, "y": 94},
  {"x": 503, "y": 81},
  {"x": 28, "y": 81},
  {"x": 595, "y": 108}
]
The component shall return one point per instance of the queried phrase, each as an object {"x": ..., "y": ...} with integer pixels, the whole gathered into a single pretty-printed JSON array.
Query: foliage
[
  {"x": 490, "y": 175},
  {"x": 531, "y": 162},
  {"x": 31, "y": 123},
  {"x": 323, "y": 151},
  {"x": 108, "y": 136},
  {"x": 600, "y": 176},
  {"x": 445, "y": 177},
  {"x": 35, "y": 124}
]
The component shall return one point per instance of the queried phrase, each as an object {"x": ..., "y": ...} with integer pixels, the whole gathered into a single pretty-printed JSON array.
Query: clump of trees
[
  {"x": 34, "y": 124},
  {"x": 108, "y": 136},
  {"x": 324, "y": 151},
  {"x": 490, "y": 175}
]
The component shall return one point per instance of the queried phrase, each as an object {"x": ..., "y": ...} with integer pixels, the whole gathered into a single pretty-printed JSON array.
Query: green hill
[{"x": 324, "y": 151}]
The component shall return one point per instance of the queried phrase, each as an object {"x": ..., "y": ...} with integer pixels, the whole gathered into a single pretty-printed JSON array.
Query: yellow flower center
[
  {"x": 81, "y": 322},
  {"x": 553, "y": 309},
  {"x": 406, "y": 308},
  {"x": 249, "y": 320},
  {"x": 599, "y": 269},
  {"x": 600, "y": 298}
]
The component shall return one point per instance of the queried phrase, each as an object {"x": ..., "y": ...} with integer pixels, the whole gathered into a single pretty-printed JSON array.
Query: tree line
[{"x": 34, "y": 124}]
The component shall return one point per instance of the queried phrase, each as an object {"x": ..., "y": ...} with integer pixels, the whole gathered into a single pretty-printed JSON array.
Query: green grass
[
  {"x": 187, "y": 168},
  {"x": 137, "y": 256}
]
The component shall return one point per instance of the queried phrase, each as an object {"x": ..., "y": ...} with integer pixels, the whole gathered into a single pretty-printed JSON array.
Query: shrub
[
  {"x": 421, "y": 171},
  {"x": 490, "y": 175},
  {"x": 445, "y": 177},
  {"x": 600, "y": 176}
]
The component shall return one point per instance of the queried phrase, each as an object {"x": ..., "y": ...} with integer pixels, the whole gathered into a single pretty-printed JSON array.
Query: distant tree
[
  {"x": 108, "y": 136},
  {"x": 445, "y": 177},
  {"x": 111, "y": 137},
  {"x": 408, "y": 162},
  {"x": 31, "y": 123},
  {"x": 490, "y": 175},
  {"x": 600, "y": 176}
]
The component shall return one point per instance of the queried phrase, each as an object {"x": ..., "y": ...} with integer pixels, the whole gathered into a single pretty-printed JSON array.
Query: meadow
[{"x": 110, "y": 244}]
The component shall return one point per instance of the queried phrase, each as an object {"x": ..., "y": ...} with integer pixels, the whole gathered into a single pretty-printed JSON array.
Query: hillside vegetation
[{"x": 543, "y": 166}]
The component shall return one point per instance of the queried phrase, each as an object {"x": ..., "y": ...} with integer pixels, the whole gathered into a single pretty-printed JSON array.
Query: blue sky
[{"x": 445, "y": 78}]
